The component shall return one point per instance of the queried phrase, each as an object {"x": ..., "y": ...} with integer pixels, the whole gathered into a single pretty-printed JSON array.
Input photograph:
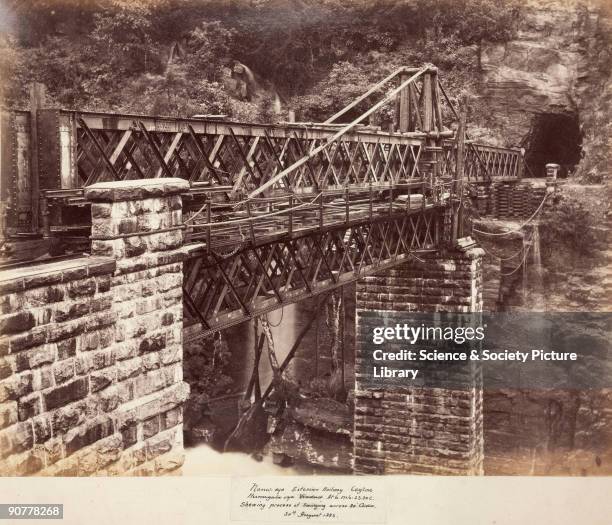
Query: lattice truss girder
[
  {"x": 220, "y": 291},
  {"x": 240, "y": 160},
  {"x": 498, "y": 162},
  {"x": 481, "y": 162}
]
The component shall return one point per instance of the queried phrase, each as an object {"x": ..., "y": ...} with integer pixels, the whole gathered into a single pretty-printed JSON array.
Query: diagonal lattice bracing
[
  {"x": 483, "y": 163},
  {"x": 223, "y": 289},
  {"x": 241, "y": 157},
  {"x": 244, "y": 158}
]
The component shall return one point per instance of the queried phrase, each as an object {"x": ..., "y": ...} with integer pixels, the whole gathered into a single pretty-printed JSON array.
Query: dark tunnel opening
[{"x": 553, "y": 138}]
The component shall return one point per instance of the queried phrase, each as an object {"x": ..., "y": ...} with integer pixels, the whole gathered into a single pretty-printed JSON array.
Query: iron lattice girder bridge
[
  {"x": 275, "y": 212},
  {"x": 241, "y": 157},
  {"x": 245, "y": 157},
  {"x": 266, "y": 273}
]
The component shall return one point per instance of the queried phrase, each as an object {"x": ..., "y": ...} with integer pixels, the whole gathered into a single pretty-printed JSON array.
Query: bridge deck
[{"x": 263, "y": 220}]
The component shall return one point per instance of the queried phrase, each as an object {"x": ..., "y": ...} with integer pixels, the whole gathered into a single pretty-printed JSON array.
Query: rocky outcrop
[
  {"x": 523, "y": 78},
  {"x": 559, "y": 62}
]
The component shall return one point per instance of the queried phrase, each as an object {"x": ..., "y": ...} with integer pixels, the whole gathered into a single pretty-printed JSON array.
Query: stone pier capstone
[
  {"x": 408, "y": 429},
  {"x": 91, "y": 372}
]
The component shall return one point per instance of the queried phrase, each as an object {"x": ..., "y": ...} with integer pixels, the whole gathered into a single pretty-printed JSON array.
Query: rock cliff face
[{"x": 554, "y": 78}]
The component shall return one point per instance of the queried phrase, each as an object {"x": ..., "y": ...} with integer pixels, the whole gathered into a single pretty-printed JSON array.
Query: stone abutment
[{"x": 91, "y": 372}]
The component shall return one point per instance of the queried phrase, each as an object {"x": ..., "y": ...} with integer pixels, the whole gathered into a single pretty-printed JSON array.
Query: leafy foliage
[
  {"x": 175, "y": 57},
  {"x": 210, "y": 46},
  {"x": 122, "y": 34}
]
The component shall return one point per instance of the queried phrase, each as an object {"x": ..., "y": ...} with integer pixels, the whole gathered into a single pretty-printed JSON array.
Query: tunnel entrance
[{"x": 556, "y": 138}]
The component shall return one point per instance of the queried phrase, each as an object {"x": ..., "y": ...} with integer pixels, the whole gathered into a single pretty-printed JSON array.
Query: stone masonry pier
[
  {"x": 91, "y": 371},
  {"x": 421, "y": 430}
]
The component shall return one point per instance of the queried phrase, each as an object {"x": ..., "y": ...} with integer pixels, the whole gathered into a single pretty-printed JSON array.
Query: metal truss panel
[{"x": 225, "y": 289}]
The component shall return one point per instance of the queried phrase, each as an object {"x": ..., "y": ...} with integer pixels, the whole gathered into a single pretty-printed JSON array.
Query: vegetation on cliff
[{"x": 171, "y": 57}]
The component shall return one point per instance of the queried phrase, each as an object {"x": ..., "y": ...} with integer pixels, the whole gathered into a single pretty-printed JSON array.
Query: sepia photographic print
[{"x": 314, "y": 238}]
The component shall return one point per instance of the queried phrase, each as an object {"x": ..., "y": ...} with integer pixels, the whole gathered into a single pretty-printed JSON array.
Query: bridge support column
[
  {"x": 409, "y": 429},
  {"x": 139, "y": 224}
]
